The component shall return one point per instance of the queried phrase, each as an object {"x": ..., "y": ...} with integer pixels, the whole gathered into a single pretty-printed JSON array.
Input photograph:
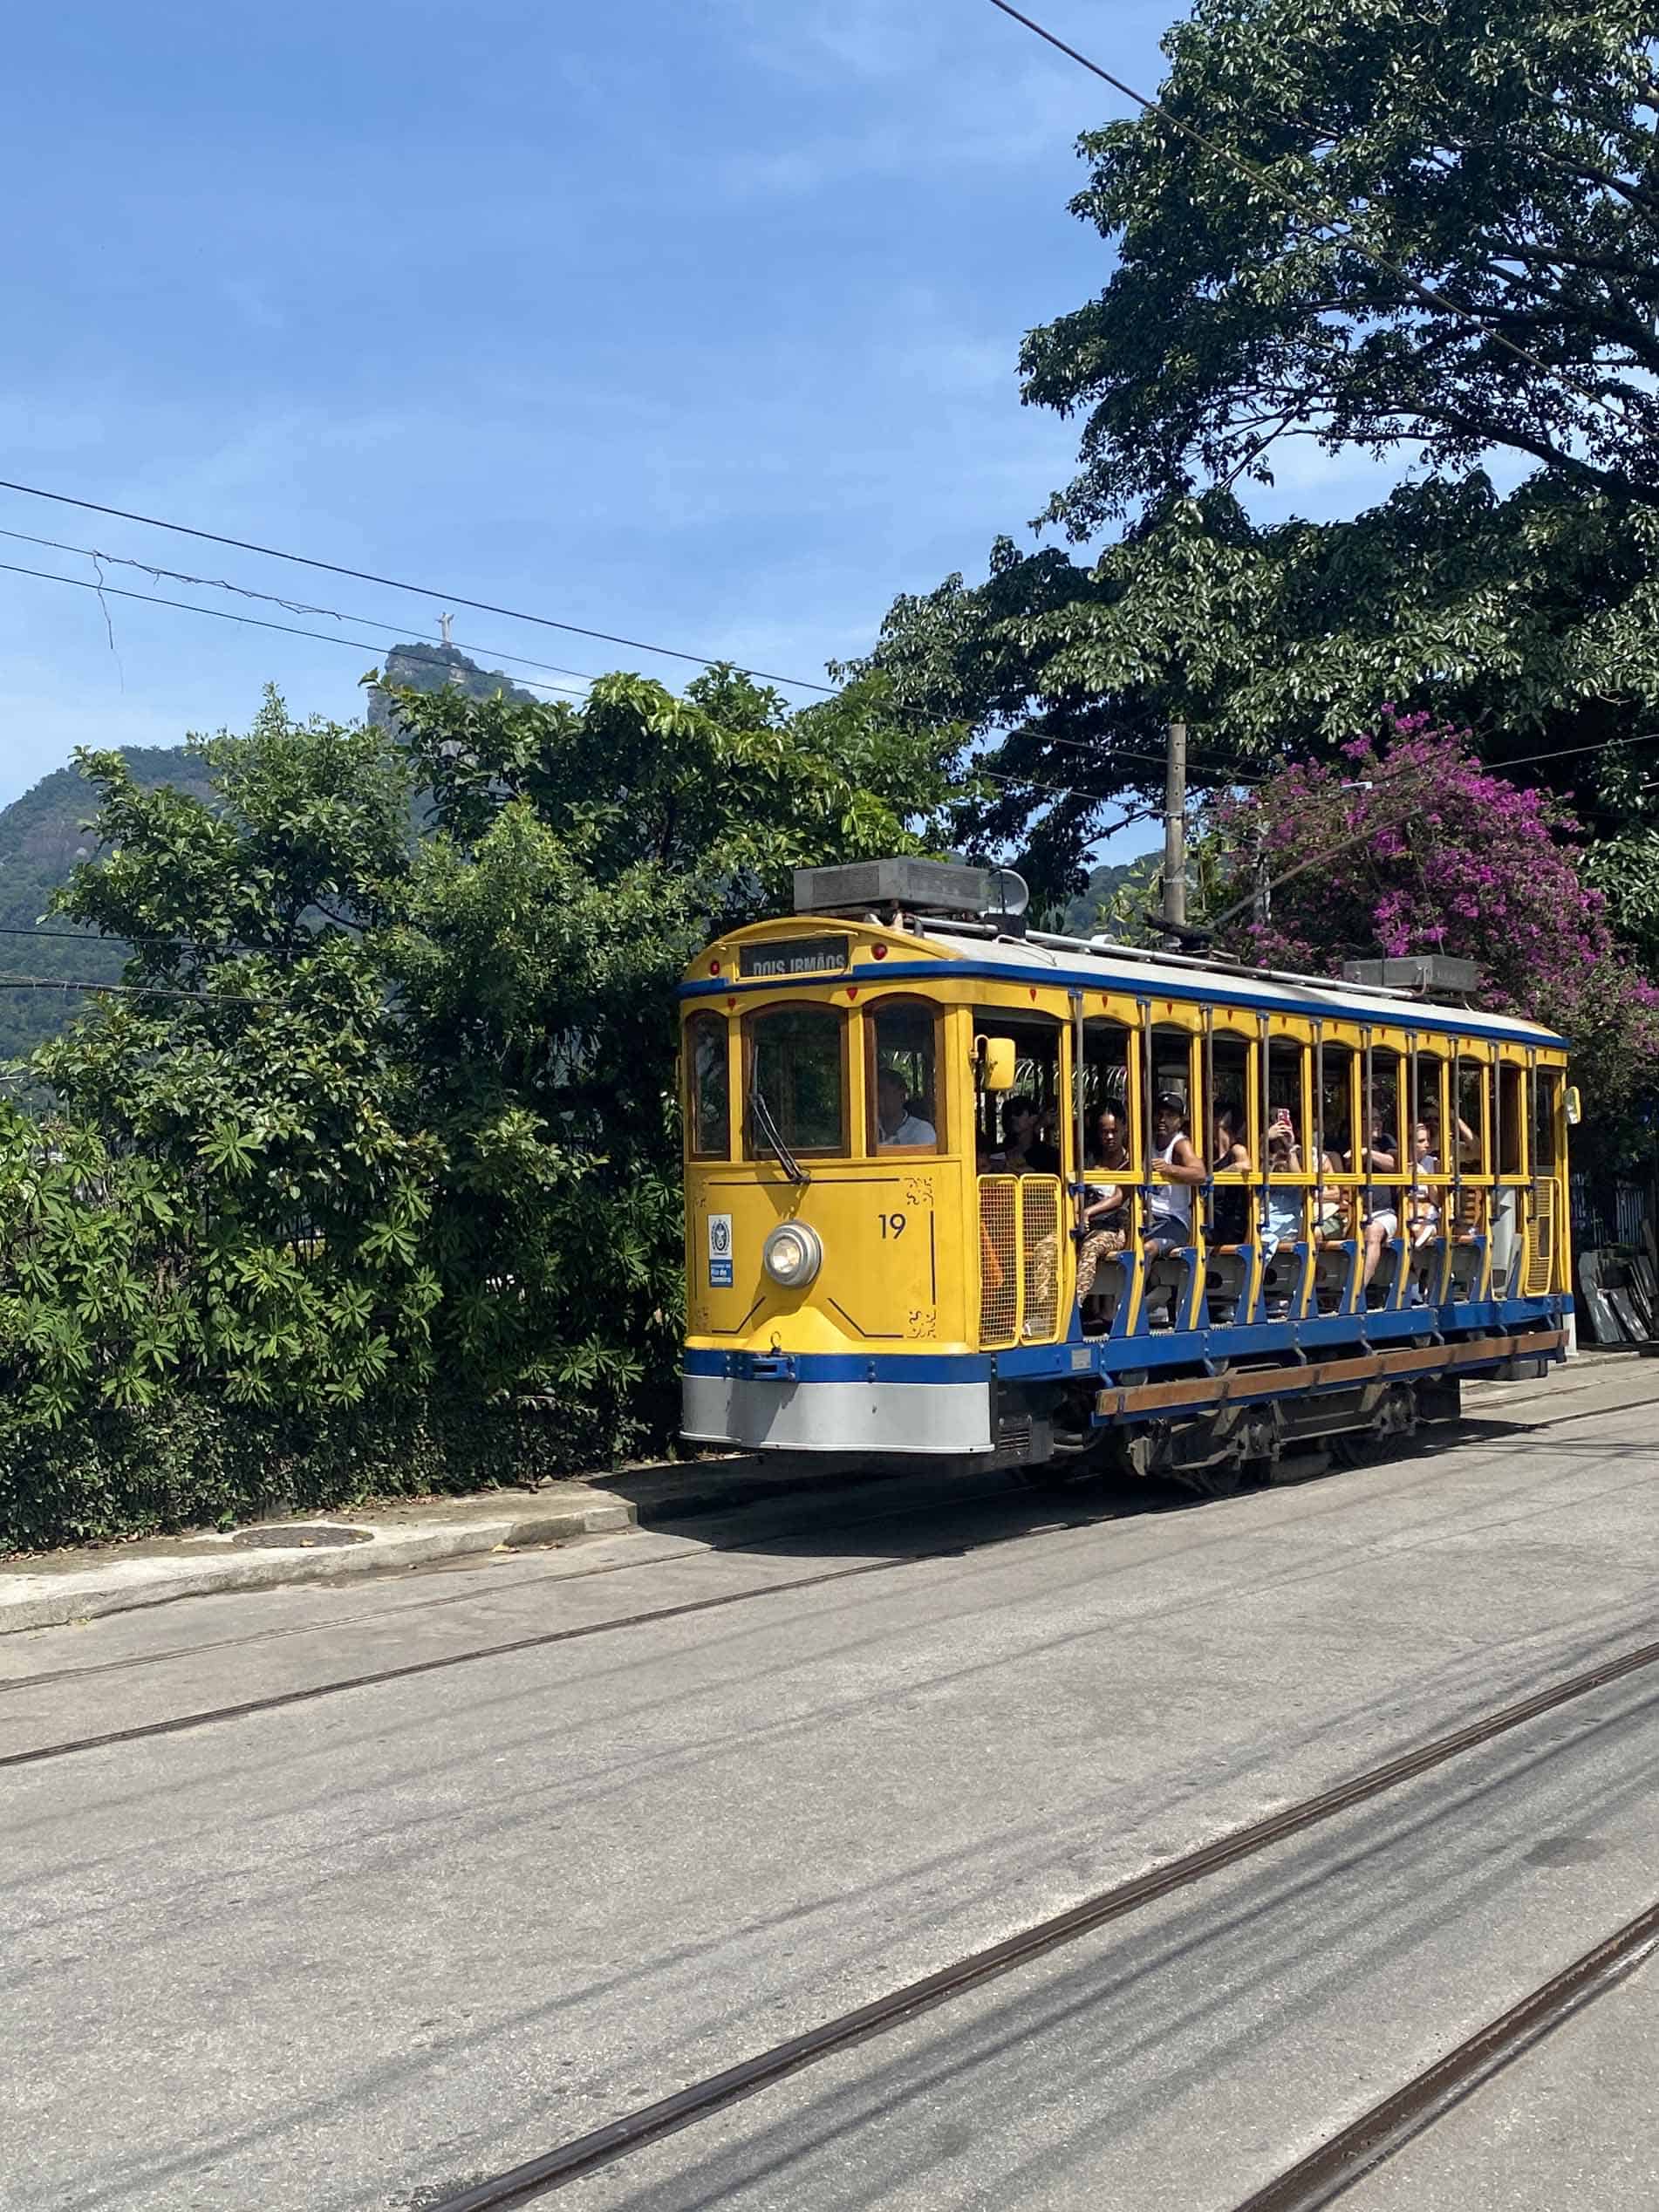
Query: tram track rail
[
  {"x": 633, "y": 2132},
  {"x": 174, "y": 1653},
  {"x": 411, "y": 1669},
  {"x": 278, "y": 1701},
  {"x": 1348, "y": 2155}
]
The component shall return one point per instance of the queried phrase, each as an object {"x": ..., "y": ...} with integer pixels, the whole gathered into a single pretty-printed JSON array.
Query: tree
[
  {"x": 1408, "y": 844},
  {"x": 1532, "y": 620},
  {"x": 1370, "y": 224},
  {"x": 398, "y": 1089}
]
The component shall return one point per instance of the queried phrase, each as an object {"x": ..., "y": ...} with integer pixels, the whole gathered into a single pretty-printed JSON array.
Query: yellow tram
[{"x": 875, "y": 1266}]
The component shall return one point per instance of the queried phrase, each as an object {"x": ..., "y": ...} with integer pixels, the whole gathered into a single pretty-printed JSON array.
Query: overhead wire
[
  {"x": 420, "y": 590},
  {"x": 223, "y": 614},
  {"x": 296, "y": 606},
  {"x": 364, "y": 644},
  {"x": 131, "y": 990}
]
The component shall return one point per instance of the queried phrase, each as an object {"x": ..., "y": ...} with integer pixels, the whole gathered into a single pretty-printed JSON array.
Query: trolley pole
[{"x": 1174, "y": 826}]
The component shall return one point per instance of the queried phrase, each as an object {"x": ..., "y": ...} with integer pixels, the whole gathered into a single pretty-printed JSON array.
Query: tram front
[{"x": 832, "y": 1249}]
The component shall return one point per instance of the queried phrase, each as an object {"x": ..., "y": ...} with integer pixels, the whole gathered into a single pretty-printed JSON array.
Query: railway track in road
[
  {"x": 409, "y": 1670},
  {"x": 1336, "y": 2163},
  {"x": 406, "y": 1670},
  {"x": 1351, "y": 2152}
]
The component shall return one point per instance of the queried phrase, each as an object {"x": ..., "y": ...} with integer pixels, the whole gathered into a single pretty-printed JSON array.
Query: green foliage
[
  {"x": 1345, "y": 209},
  {"x": 192, "y": 1460},
  {"x": 397, "y": 1130},
  {"x": 1532, "y": 620}
]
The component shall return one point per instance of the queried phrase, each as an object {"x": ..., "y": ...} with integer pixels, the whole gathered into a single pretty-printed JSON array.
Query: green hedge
[{"x": 195, "y": 1462}]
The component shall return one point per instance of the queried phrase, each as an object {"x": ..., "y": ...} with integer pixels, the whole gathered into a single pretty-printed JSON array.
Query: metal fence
[{"x": 1612, "y": 1213}]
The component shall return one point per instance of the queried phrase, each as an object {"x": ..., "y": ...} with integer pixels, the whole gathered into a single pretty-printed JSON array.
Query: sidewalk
[{"x": 48, "y": 1589}]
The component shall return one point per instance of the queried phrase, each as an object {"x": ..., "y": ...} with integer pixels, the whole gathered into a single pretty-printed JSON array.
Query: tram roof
[
  {"x": 1211, "y": 982},
  {"x": 1040, "y": 958}
]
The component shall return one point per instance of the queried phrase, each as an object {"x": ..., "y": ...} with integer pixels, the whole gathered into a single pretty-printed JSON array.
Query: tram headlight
[{"x": 792, "y": 1255}]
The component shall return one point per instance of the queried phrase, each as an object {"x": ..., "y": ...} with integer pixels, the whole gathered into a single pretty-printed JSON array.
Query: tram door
[
  {"x": 1510, "y": 1175},
  {"x": 1541, "y": 1271},
  {"x": 1022, "y": 1141}
]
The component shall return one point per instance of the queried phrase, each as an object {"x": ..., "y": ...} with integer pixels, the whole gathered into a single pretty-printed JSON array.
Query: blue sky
[{"x": 694, "y": 322}]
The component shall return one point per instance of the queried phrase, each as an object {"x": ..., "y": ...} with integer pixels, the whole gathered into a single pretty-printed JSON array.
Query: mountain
[
  {"x": 42, "y": 836},
  {"x": 429, "y": 668},
  {"x": 1084, "y": 916}
]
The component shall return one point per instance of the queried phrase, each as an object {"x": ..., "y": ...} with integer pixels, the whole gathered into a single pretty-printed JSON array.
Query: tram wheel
[{"x": 1394, "y": 1422}]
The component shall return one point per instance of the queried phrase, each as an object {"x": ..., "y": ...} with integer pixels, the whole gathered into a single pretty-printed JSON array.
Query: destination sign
[{"x": 795, "y": 956}]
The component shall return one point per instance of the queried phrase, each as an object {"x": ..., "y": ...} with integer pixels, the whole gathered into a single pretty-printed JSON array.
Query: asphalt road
[{"x": 357, "y": 1951}]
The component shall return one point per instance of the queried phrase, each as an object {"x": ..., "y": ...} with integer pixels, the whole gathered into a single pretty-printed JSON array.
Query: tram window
[
  {"x": 1432, "y": 1110},
  {"x": 1036, "y": 1050},
  {"x": 795, "y": 1065},
  {"x": 1229, "y": 1060},
  {"x": 1547, "y": 1105},
  {"x": 1105, "y": 1081},
  {"x": 1284, "y": 1108},
  {"x": 1171, "y": 1053},
  {"x": 707, "y": 1087},
  {"x": 904, "y": 1103},
  {"x": 1471, "y": 1114},
  {"x": 1384, "y": 1103},
  {"x": 1338, "y": 1137},
  {"x": 1509, "y": 1118}
]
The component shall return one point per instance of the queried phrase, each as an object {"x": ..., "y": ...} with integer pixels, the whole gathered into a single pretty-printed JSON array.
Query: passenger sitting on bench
[
  {"x": 1170, "y": 1225},
  {"x": 1381, "y": 1214},
  {"x": 1424, "y": 1222},
  {"x": 1282, "y": 1211},
  {"x": 1105, "y": 1221},
  {"x": 1230, "y": 1213}
]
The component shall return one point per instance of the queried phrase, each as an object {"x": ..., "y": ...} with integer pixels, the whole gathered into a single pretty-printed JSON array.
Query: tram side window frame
[
  {"x": 707, "y": 1023},
  {"x": 754, "y": 1147},
  {"x": 1236, "y": 1086},
  {"x": 1336, "y": 1077},
  {"x": 1545, "y": 1148},
  {"x": 934, "y": 1108},
  {"x": 1468, "y": 1070},
  {"x": 1430, "y": 1087},
  {"x": 1098, "y": 1094},
  {"x": 1286, "y": 1057},
  {"x": 1386, "y": 1074},
  {"x": 1159, "y": 1044},
  {"x": 1511, "y": 1147},
  {"x": 1040, "y": 1076}
]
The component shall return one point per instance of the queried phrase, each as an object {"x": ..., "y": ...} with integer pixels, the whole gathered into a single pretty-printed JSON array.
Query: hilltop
[
  {"x": 42, "y": 836},
  {"x": 43, "y": 833}
]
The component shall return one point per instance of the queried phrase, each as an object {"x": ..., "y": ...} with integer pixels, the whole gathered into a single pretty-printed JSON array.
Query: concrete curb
[{"x": 79, "y": 1587}]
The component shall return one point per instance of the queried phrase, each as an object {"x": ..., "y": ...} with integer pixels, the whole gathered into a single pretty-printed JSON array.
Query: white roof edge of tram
[{"x": 1152, "y": 977}]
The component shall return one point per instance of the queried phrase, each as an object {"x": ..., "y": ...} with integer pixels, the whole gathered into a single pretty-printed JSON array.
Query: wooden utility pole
[{"x": 1175, "y": 827}]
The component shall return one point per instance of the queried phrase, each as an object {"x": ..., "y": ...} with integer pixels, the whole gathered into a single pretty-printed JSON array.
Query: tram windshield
[{"x": 797, "y": 1082}]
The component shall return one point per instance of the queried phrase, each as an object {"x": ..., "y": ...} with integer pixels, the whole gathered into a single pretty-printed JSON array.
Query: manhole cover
[{"x": 297, "y": 1537}]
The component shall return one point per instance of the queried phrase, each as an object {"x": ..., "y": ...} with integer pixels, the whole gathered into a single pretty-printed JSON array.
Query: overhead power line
[
  {"x": 422, "y": 591},
  {"x": 449, "y": 598},
  {"x": 1343, "y": 235},
  {"x": 364, "y": 644},
  {"x": 97, "y": 556},
  {"x": 132, "y": 991},
  {"x": 223, "y": 614}
]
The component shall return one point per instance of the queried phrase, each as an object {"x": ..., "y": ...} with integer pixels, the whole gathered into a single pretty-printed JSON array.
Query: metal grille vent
[
  {"x": 999, "y": 1260},
  {"x": 1040, "y": 1244},
  {"x": 1541, "y": 1245}
]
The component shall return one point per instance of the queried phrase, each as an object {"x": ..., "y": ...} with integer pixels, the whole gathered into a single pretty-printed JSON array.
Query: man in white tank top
[{"x": 1179, "y": 1170}]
